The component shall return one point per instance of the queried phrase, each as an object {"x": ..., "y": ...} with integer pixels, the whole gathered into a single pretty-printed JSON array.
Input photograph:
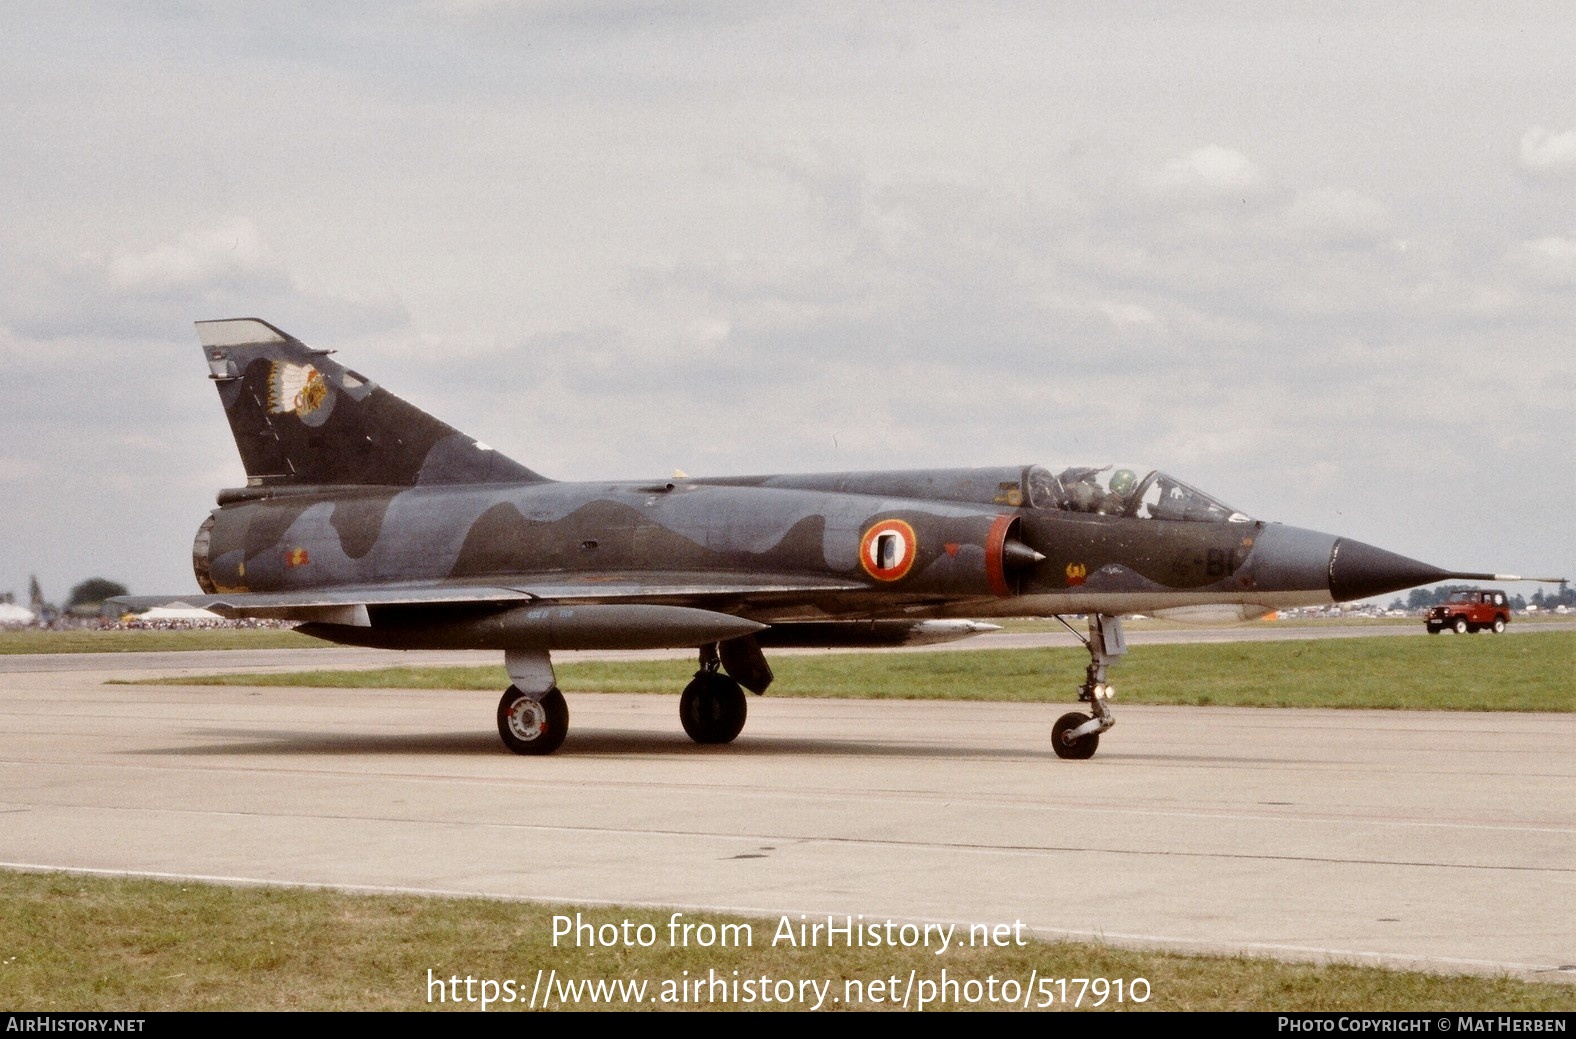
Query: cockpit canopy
[
  {"x": 1124, "y": 490},
  {"x": 1109, "y": 490}
]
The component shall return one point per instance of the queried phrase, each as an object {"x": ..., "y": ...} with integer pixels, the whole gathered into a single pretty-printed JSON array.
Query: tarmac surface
[{"x": 1430, "y": 840}]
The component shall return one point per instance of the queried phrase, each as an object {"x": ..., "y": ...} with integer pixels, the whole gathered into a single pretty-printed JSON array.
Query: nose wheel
[{"x": 1071, "y": 746}]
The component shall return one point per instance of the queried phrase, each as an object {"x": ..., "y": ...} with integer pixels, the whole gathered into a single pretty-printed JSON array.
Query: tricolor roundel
[{"x": 887, "y": 550}]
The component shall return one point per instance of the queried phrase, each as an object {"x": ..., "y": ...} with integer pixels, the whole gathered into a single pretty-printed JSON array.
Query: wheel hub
[{"x": 527, "y": 719}]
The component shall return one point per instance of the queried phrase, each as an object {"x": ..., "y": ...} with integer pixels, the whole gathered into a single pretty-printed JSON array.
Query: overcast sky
[{"x": 1318, "y": 259}]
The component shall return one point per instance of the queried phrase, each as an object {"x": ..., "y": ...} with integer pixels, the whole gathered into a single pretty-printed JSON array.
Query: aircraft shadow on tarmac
[
  {"x": 584, "y": 742},
  {"x": 590, "y": 743}
]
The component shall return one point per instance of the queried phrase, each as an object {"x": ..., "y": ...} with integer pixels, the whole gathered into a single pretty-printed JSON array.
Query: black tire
[
  {"x": 1499, "y": 625},
  {"x": 1461, "y": 627},
  {"x": 1078, "y": 750},
  {"x": 533, "y": 726},
  {"x": 1434, "y": 629},
  {"x": 713, "y": 708}
]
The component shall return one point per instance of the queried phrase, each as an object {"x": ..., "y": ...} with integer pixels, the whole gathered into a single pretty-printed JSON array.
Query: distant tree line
[
  {"x": 85, "y": 598},
  {"x": 93, "y": 592}
]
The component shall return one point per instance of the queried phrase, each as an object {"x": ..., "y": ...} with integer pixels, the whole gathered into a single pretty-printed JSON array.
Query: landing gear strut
[
  {"x": 1075, "y": 736},
  {"x": 713, "y": 707}
]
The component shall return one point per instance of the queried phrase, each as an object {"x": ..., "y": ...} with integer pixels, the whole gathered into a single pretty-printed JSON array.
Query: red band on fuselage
[{"x": 995, "y": 546}]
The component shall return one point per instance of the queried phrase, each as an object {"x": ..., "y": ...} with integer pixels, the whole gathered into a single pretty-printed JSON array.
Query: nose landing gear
[{"x": 1075, "y": 736}]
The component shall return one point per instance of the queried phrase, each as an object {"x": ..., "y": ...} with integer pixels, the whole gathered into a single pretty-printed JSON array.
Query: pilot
[{"x": 1121, "y": 487}]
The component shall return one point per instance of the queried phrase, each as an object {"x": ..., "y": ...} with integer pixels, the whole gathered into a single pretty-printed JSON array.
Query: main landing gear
[
  {"x": 533, "y": 726},
  {"x": 713, "y": 707},
  {"x": 1076, "y": 736},
  {"x": 532, "y": 716},
  {"x": 534, "y": 719}
]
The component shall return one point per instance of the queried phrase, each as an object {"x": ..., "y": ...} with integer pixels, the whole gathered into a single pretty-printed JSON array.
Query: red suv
[{"x": 1472, "y": 609}]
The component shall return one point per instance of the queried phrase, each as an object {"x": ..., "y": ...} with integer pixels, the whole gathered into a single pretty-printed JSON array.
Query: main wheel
[
  {"x": 533, "y": 726},
  {"x": 1499, "y": 625},
  {"x": 1079, "y": 749},
  {"x": 1461, "y": 626},
  {"x": 713, "y": 708}
]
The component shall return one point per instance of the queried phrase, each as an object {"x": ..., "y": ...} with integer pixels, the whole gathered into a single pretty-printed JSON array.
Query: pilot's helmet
[{"x": 1123, "y": 481}]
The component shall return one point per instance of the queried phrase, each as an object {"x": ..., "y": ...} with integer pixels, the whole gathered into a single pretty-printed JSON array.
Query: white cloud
[
  {"x": 132, "y": 293},
  {"x": 16, "y": 470},
  {"x": 1214, "y": 169},
  {"x": 1548, "y": 153},
  {"x": 1129, "y": 315},
  {"x": 200, "y": 255},
  {"x": 1562, "y": 250},
  {"x": 1338, "y": 217},
  {"x": 707, "y": 333},
  {"x": 1550, "y": 261}
]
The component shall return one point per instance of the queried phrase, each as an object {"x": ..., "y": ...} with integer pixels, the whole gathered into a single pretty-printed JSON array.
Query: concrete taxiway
[{"x": 1433, "y": 840}]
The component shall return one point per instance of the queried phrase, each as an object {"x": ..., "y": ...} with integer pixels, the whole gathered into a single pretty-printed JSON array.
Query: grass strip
[
  {"x": 1534, "y": 671},
  {"x": 78, "y": 943},
  {"x": 89, "y": 640}
]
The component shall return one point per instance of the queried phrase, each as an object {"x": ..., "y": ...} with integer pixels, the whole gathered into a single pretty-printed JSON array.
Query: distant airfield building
[{"x": 165, "y": 614}]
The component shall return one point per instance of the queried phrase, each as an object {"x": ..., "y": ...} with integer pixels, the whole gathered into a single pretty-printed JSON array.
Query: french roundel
[{"x": 887, "y": 550}]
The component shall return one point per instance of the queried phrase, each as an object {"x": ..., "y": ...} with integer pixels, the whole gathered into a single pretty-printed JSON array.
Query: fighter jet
[{"x": 375, "y": 524}]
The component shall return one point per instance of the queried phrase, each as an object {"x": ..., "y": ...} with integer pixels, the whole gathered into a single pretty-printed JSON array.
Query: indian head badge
[{"x": 300, "y": 390}]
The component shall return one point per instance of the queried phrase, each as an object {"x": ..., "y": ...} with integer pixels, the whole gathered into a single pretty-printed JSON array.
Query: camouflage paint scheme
[{"x": 376, "y": 524}]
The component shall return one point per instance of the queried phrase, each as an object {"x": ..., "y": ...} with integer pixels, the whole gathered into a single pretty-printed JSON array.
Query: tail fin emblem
[{"x": 296, "y": 388}]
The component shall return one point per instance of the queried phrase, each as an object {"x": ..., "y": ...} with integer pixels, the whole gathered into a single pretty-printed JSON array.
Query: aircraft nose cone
[
  {"x": 1358, "y": 571},
  {"x": 1294, "y": 559}
]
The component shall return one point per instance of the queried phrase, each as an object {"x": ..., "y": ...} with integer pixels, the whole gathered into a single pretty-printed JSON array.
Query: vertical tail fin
[{"x": 300, "y": 419}]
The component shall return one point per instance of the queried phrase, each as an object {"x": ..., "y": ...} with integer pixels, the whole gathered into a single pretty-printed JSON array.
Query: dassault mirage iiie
[{"x": 375, "y": 524}]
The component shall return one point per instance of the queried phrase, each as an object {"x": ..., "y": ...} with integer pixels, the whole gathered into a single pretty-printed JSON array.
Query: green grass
[
  {"x": 74, "y": 943},
  {"x": 116, "y": 641},
  {"x": 1531, "y": 671}
]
